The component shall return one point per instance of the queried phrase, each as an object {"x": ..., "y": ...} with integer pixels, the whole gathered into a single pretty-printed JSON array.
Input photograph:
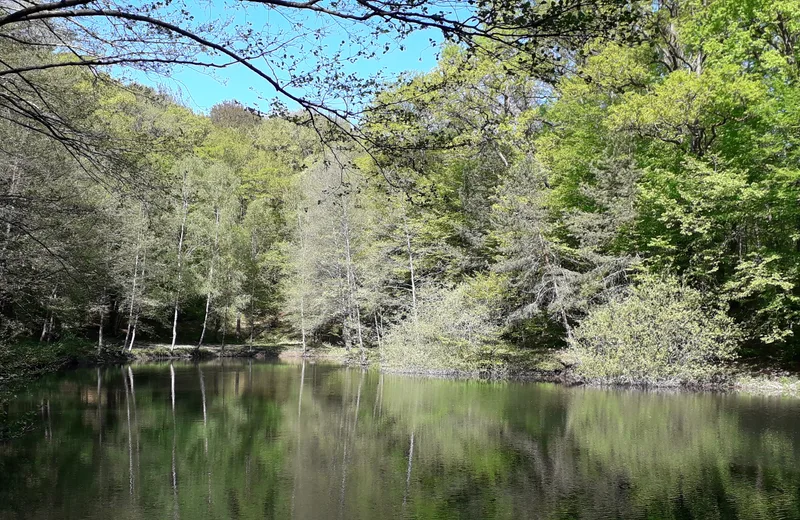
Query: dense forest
[{"x": 633, "y": 199}]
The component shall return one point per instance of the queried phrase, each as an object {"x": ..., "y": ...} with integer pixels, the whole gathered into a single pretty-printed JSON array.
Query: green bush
[
  {"x": 660, "y": 334},
  {"x": 451, "y": 332}
]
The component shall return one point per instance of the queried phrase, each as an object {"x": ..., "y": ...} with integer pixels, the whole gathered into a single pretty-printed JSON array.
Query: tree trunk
[
  {"x": 303, "y": 323},
  {"x": 50, "y": 328},
  {"x": 174, "y": 327},
  {"x": 225, "y": 326},
  {"x": 360, "y": 337},
  {"x": 133, "y": 289},
  {"x": 44, "y": 331},
  {"x": 301, "y": 232},
  {"x": 12, "y": 190},
  {"x": 346, "y": 338},
  {"x": 205, "y": 317},
  {"x": 210, "y": 275},
  {"x": 411, "y": 271},
  {"x": 47, "y": 325},
  {"x": 133, "y": 332},
  {"x": 251, "y": 306},
  {"x": 102, "y": 321},
  {"x": 252, "y": 324},
  {"x": 180, "y": 262},
  {"x": 139, "y": 308},
  {"x": 351, "y": 282},
  {"x": 377, "y": 331}
]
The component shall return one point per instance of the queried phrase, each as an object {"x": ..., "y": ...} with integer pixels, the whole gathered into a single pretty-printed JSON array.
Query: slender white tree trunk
[
  {"x": 303, "y": 323},
  {"x": 351, "y": 281},
  {"x": 12, "y": 190},
  {"x": 225, "y": 326},
  {"x": 50, "y": 327},
  {"x": 184, "y": 215},
  {"x": 102, "y": 321},
  {"x": 252, "y": 318},
  {"x": 301, "y": 232},
  {"x": 139, "y": 308},
  {"x": 47, "y": 326},
  {"x": 378, "y": 335},
  {"x": 360, "y": 337},
  {"x": 208, "y": 307},
  {"x": 135, "y": 280},
  {"x": 411, "y": 271},
  {"x": 210, "y": 275}
]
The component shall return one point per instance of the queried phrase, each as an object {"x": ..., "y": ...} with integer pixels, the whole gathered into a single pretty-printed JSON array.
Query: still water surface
[{"x": 269, "y": 440}]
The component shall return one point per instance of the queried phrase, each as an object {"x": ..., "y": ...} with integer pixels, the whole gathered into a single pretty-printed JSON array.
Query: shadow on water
[{"x": 244, "y": 439}]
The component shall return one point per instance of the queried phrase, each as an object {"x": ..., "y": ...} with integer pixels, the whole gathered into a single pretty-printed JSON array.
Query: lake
[{"x": 246, "y": 439}]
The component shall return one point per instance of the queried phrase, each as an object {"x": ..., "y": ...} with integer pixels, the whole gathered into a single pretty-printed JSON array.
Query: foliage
[
  {"x": 494, "y": 197},
  {"x": 451, "y": 331},
  {"x": 662, "y": 333}
]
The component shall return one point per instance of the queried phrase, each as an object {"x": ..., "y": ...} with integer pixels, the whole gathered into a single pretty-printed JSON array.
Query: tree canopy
[{"x": 561, "y": 161}]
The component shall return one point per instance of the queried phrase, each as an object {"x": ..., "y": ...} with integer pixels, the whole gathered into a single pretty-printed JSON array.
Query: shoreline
[
  {"x": 532, "y": 369},
  {"x": 743, "y": 381}
]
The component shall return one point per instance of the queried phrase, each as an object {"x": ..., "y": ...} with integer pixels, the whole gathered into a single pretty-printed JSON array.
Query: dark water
[{"x": 260, "y": 440}]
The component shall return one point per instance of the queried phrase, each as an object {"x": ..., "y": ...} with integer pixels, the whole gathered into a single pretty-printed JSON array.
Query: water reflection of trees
[{"x": 255, "y": 440}]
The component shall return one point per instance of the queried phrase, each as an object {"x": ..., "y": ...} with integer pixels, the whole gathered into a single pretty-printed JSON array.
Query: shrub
[
  {"x": 453, "y": 327},
  {"x": 660, "y": 334}
]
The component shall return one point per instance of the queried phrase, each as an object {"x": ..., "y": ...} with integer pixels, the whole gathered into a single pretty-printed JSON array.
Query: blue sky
[{"x": 201, "y": 88}]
